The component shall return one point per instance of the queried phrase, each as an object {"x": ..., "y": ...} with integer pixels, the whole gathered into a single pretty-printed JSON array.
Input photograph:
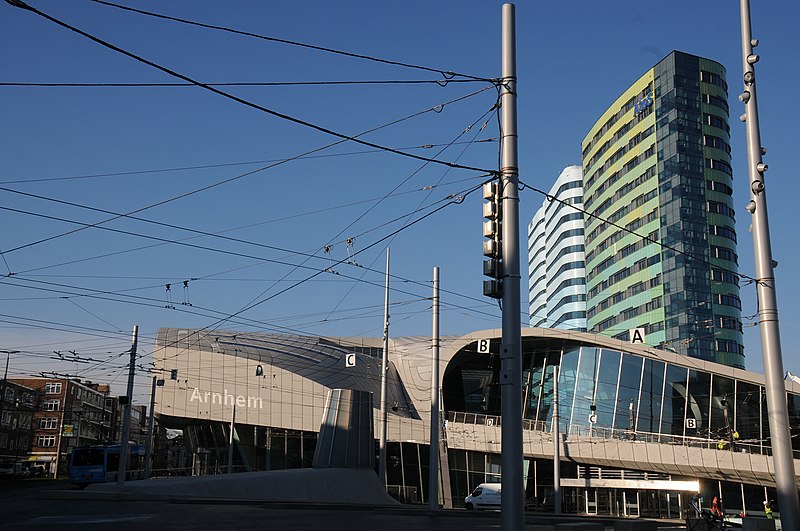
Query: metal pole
[
  {"x": 556, "y": 444},
  {"x": 512, "y": 511},
  {"x": 384, "y": 369},
  {"x": 230, "y": 439},
  {"x": 148, "y": 447},
  {"x": 783, "y": 462},
  {"x": 124, "y": 447},
  {"x": 433, "y": 459}
]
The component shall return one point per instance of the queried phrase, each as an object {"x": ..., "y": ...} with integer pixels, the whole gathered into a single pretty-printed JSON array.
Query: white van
[{"x": 485, "y": 496}]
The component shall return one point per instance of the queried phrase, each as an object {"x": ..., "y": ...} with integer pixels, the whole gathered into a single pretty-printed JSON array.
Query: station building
[{"x": 640, "y": 429}]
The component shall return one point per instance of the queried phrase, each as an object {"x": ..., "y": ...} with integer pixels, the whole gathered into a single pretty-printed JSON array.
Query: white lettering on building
[{"x": 225, "y": 398}]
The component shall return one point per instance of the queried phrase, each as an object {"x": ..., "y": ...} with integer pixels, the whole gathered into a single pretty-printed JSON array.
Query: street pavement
[{"x": 48, "y": 504}]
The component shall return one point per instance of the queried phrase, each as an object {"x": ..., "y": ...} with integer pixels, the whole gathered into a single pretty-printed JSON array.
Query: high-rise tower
[
  {"x": 556, "y": 271},
  {"x": 660, "y": 238}
]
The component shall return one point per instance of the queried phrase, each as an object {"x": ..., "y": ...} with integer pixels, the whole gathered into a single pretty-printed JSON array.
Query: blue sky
[{"x": 121, "y": 149}]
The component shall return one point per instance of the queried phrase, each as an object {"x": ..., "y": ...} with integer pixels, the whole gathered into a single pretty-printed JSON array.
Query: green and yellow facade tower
[{"x": 661, "y": 262}]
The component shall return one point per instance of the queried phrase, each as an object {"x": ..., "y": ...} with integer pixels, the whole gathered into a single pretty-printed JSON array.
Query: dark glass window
[
  {"x": 566, "y": 386},
  {"x": 722, "y": 403},
  {"x": 585, "y": 387},
  {"x": 652, "y": 392},
  {"x": 672, "y": 421},
  {"x": 698, "y": 403},
  {"x": 628, "y": 394},
  {"x": 606, "y": 391}
]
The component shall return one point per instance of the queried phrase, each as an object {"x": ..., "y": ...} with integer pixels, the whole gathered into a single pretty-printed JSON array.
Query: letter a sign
[{"x": 636, "y": 335}]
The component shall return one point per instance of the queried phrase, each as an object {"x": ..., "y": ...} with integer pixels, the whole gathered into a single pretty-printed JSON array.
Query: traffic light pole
[
  {"x": 512, "y": 509},
  {"x": 783, "y": 461}
]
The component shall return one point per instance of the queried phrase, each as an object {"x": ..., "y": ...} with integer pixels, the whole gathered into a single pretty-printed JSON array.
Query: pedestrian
[
  {"x": 768, "y": 508},
  {"x": 716, "y": 507}
]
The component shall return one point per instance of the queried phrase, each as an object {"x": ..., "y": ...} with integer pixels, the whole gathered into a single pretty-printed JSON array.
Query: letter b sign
[{"x": 483, "y": 346}]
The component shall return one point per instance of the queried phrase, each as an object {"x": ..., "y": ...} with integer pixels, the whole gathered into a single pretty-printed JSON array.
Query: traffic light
[{"x": 492, "y": 249}]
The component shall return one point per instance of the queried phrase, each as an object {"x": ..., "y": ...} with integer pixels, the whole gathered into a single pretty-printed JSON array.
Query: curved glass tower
[
  {"x": 661, "y": 251},
  {"x": 556, "y": 267}
]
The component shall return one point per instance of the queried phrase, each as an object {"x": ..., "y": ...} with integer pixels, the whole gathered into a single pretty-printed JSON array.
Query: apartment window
[
  {"x": 46, "y": 441},
  {"x": 48, "y": 423},
  {"x": 50, "y": 405},
  {"x": 6, "y": 420},
  {"x": 52, "y": 388}
]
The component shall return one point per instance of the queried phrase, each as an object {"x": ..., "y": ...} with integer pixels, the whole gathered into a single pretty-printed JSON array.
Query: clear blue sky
[{"x": 118, "y": 149}]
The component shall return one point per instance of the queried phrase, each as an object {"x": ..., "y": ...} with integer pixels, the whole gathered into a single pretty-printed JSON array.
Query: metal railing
[{"x": 602, "y": 432}]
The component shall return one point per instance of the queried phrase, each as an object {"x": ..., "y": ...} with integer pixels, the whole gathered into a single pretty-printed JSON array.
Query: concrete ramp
[{"x": 304, "y": 485}]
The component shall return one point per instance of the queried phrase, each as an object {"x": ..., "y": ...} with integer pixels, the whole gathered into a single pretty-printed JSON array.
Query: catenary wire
[
  {"x": 239, "y": 176},
  {"x": 241, "y": 101},
  {"x": 446, "y": 74},
  {"x": 227, "y": 164}
]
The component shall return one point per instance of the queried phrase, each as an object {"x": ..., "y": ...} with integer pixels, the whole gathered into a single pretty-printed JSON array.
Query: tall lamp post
[{"x": 783, "y": 461}]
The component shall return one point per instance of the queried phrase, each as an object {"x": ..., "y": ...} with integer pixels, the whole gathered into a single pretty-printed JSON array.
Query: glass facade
[
  {"x": 614, "y": 394},
  {"x": 661, "y": 253},
  {"x": 621, "y": 394}
]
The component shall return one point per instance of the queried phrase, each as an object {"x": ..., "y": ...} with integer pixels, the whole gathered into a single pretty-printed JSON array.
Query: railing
[
  {"x": 615, "y": 433},
  {"x": 492, "y": 420}
]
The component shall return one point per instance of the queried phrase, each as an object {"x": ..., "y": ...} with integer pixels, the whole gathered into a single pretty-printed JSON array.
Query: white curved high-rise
[{"x": 556, "y": 257}]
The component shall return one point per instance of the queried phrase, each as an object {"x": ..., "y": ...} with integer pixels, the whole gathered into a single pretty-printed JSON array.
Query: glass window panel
[
  {"x": 411, "y": 468},
  {"x": 652, "y": 391},
  {"x": 566, "y": 386},
  {"x": 394, "y": 463},
  {"x": 544, "y": 415},
  {"x": 584, "y": 389},
  {"x": 477, "y": 462},
  {"x": 722, "y": 403},
  {"x": 628, "y": 395},
  {"x": 747, "y": 418},
  {"x": 532, "y": 378},
  {"x": 698, "y": 403},
  {"x": 672, "y": 420},
  {"x": 606, "y": 392}
]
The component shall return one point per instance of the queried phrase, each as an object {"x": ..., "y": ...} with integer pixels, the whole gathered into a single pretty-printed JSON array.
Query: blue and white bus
[{"x": 99, "y": 464}]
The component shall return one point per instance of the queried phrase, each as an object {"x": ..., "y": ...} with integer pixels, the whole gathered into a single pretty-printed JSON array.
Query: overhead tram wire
[
  {"x": 144, "y": 247},
  {"x": 204, "y": 248},
  {"x": 420, "y": 204},
  {"x": 235, "y": 83},
  {"x": 457, "y": 200},
  {"x": 634, "y": 233},
  {"x": 446, "y": 74},
  {"x": 239, "y": 176},
  {"x": 446, "y": 201},
  {"x": 242, "y": 101},
  {"x": 229, "y": 164},
  {"x": 317, "y": 271}
]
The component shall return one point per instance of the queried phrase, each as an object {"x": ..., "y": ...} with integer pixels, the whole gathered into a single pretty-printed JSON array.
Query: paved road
[{"x": 47, "y": 504}]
